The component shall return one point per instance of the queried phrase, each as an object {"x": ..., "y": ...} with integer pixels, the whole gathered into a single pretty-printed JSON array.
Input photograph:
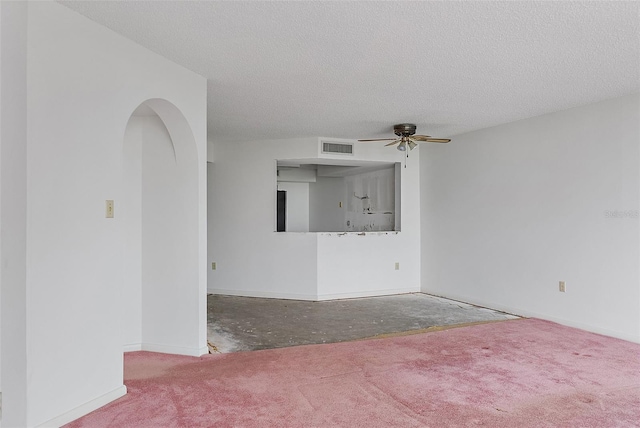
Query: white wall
[
  {"x": 130, "y": 209},
  {"x": 169, "y": 257},
  {"x": 252, "y": 259},
  {"x": 327, "y": 205},
  {"x": 84, "y": 82},
  {"x": 211, "y": 203},
  {"x": 13, "y": 208},
  {"x": 509, "y": 211},
  {"x": 356, "y": 265},
  {"x": 0, "y": 217},
  {"x": 297, "y": 206},
  {"x": 1, "y": 50},
  {"x": 159, "y": 258}
]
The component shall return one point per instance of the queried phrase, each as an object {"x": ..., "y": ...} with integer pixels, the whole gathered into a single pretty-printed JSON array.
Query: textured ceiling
[{"x": 353, "y": 69}]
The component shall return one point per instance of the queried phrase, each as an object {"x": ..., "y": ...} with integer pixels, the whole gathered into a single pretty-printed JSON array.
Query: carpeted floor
[{"x": 520, "y": 373}]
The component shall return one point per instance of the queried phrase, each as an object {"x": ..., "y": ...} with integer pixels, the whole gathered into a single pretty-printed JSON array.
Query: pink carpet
[{"x": 521, "y": 373}]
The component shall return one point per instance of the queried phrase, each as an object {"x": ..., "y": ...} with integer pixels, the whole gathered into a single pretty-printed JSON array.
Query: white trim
[
  {"x": 533, "y": 314},
  {"x": 165, "y": 349},
  {"x": 176, "y": 350},
  {"x": 86, "y": 408},
  {"x": 314, "y": 298},
  {"x": 264, "y": 294},
  {"x": 132, "y": 347},
  {"x": 368, "y": 293}
]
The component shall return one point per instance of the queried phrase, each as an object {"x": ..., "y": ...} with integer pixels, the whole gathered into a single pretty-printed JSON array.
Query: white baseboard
[
  {"x": 533, "y": 314},
  {"x": 314, "y": 298},
  {"x": 263, "y": 294},
  {"x": 176, "y": 350},
  {"x": 86, "y": 408},
  {"x": 367, "y": 293},
  {"x": 132, "y": 347}
]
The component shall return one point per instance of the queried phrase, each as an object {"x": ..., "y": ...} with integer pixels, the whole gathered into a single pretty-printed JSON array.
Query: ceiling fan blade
[
  {"x": 393, "y": 142},
  {"x": 420, "y": 137},
  {"x": 378, "y": 139},
  {"x": 437, "y": 140}
]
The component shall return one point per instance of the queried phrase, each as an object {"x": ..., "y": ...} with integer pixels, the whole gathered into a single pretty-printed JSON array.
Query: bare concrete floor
[{"x": 248, "y": 323}]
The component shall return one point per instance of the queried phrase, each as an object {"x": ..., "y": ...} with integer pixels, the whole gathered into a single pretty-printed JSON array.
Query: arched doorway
[{"x": 159, "y": 212}]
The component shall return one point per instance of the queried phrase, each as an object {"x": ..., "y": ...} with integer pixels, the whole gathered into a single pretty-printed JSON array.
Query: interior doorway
[
  {"x": 281, "y": 207},
  {"x": 160, "y": 226}
]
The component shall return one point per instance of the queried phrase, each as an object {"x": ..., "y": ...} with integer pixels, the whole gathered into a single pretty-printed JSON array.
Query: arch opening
[{"x": 159, "y": 212}]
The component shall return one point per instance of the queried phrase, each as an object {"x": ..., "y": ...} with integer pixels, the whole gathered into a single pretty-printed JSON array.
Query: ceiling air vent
[{"x": 337, "y": 148}]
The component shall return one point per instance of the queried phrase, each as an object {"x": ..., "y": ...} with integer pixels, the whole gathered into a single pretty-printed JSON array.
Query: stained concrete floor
[{"x": 248, "y": 323}]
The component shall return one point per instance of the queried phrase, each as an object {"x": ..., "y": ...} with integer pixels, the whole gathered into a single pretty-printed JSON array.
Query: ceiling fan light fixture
[{"x": 407, "y": 139}]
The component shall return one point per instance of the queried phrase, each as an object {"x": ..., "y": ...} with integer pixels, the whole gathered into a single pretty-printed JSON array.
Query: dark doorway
[{"x": 282, "y": 211}]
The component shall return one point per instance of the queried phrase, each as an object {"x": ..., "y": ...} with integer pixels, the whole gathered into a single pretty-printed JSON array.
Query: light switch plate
[{"x": 109, "y": 208}]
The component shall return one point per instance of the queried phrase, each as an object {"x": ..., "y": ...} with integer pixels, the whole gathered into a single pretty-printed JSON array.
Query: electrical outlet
[
  {"x": 397, "y": 265},
  {"x": 213, "y": 266},
  {"x": 562, "y": 286}
]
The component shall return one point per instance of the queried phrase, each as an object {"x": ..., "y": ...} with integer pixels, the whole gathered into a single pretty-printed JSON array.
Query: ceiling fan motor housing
[{"x": 404, "y": 129}]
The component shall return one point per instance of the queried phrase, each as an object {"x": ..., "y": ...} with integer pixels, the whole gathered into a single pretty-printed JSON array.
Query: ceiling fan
[{"x": 406, "y": 137}]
